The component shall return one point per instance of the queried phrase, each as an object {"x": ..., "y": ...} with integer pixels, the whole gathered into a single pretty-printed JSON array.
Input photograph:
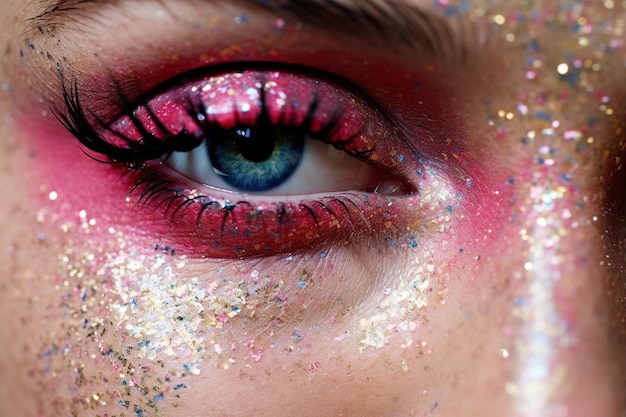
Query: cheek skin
[{"x": 136, "y": 324}]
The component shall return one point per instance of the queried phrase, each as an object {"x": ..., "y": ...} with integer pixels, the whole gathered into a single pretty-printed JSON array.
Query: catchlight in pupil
[{"x": 253, "y": 145}]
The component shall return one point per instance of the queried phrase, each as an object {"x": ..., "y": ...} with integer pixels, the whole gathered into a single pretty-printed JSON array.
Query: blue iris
[{"x": 256, "y": 159}]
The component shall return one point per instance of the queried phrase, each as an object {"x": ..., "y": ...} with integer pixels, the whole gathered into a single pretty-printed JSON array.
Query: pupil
[{"x": 253, "y": 144}]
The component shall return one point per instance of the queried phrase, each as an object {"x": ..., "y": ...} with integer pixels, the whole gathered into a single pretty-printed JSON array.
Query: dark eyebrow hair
[{"x": 394, "y": 24}]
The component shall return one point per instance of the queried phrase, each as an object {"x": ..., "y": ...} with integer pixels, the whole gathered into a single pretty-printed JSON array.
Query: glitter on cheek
[
  {"x": 149, "y": 317},
  {"x": 399, "y": 316},
  {"x": 123, "y": 312},
  {"x": 393, "y": 316}
]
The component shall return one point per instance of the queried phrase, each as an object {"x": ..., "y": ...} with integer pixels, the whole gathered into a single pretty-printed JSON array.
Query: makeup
[
  {"x": 151, "y": 320},
  {"x": 559, "y": 204},
  {"x": 198, "y": 277}
]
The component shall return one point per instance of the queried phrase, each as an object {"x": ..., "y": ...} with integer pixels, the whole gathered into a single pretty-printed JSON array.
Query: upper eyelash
[
  {"x": 151, "y": 147},
  {"x": 148, "y": 148}
]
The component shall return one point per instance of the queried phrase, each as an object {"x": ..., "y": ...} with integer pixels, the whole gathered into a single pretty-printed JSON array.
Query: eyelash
[
  {"x": 156, "y": 187},
  {"x": 153, "y": 146}
]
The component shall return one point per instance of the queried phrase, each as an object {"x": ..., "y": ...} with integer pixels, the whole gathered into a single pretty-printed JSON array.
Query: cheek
[
  {"x": 132, "y": 323},
  {"x": 132, "y": 328}
]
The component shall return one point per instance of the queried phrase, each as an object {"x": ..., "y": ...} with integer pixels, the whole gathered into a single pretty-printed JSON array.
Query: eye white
[{"x": 322, "y": 169}]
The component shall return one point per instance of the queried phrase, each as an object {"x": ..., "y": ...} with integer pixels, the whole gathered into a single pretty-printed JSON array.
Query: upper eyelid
[{"x": 396, "y": 24}]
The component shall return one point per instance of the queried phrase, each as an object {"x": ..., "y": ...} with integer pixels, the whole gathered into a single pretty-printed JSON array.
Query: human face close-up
[{"x": 323, "y": 208}]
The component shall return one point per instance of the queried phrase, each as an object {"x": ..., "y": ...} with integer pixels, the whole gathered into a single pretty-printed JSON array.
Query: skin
[{"x": 511, "y": 304}]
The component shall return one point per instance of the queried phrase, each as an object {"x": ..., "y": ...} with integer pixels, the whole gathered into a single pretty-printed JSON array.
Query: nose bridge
[
  {"x": 563, "y": 358},
  {"x": 540, "y": 323}
]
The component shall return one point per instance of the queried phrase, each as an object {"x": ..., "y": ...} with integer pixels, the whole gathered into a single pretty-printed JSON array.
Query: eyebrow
[{"x": 394, "y": 24}]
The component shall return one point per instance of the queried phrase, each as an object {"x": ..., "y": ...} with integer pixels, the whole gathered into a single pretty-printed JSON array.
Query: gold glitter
[
  {"x": 396, "y": 307},
  {"x": 562, "y": 68},
  {"x": 499, "y": 19}
]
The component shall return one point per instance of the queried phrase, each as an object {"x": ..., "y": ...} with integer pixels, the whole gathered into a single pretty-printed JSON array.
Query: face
[{"x": 278, "y": 208}]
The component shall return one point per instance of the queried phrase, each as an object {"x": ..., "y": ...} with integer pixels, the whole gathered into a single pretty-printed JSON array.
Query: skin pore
[{"x": 481, "y": 275}]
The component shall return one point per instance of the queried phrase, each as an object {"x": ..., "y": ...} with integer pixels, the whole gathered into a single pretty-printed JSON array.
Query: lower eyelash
[
  {"x": 327, "y": 218},
  {"x": 153, "y": 188}
]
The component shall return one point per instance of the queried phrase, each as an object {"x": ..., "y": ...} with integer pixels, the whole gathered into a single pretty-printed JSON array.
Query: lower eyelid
[{"x": 220, "y": 228}]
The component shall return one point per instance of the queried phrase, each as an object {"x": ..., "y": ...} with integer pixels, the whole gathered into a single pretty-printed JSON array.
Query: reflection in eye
[{"x": 258, "y": 132}]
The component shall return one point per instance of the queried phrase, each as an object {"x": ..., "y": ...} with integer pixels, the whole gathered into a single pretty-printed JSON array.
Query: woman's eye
[
  {"x": 277, "y": 133},
  {"x": 273, "y": 160},
  {"x": 259, "y": 162}
]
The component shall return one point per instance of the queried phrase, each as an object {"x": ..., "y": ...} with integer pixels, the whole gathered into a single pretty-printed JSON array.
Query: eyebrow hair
[{"x": 394, "y": 24}]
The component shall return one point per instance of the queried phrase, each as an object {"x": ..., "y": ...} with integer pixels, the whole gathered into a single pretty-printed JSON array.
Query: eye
[
  {"x": 276, "y": 132},
  {"x": 259, "y": 162}
]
